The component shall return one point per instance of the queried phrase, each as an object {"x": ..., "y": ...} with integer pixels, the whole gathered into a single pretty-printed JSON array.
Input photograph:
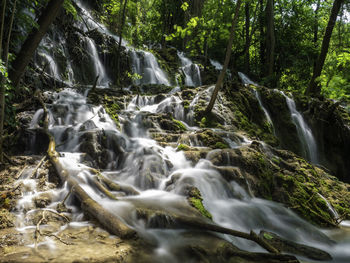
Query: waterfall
[
  {"x": 131, "y": 158},
  {"x": 191, "y": 71},
  {"x": 98, "y": 66},
  {"x": 88, "y": 140},
  {"x": 145, "y": 65},
  {"x": 306, "y": 137},
  {"x": 246, "y": 80},
  {"x": 216, "y": 64}
]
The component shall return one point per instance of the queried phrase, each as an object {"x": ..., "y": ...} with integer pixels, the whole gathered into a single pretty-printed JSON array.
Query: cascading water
[
  {"x": 98, "y": 66},
  {"x": 248, "y": 81},
  {"x": 191, "y": 71},
  {"x": 159, "y": 174},
  {"x": 145, "y": 65},
  {"x": 45, "y": 58},
  {"x": 306, "y": 137},
  {"x": 216, "y": 64}
]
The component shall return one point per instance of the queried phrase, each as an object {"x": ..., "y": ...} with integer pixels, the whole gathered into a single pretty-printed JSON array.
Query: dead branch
[
  {"x": 20, "y": 172},
  {"x": 103, "y": 189},
  {"x": 117, "y": 187},
  {"x": 37, "y": 167}
]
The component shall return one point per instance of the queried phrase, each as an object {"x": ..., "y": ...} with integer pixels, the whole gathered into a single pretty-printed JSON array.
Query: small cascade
[
  {"x": 330, "y": 208},
  {"x": 99, "y": 68},
  {"x": 45, "y": 59},
  {"x": 145, "y": 64},
  {"x": 90, "y": 23},
  {"x": 216, "y": 64},
  {"x": 306, "y": 137},
  {"x": 191, "y": 71},
  {"x": 246, "y": 80},
  {"x": 267, "y": 115},
  {"x": 51, "y": 65}
]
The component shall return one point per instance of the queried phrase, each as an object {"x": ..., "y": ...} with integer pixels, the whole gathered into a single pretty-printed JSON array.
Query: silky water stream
[{"x": 159, "y": 173}]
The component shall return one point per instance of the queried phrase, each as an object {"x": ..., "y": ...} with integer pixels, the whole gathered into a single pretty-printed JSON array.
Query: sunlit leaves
[
  {"x": 70, "y": 9},
  {"x": 184, "y": 6}
]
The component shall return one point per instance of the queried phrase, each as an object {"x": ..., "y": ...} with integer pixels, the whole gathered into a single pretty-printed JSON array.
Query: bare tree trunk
[
  {"x": 227, "y": 59},
  {"x": 247, "y": 37},
  {"x": 262, "y": 36},
  {"x": 2, "y": 25},
  {"x": 314, "y": 87},
  {"x": 316, "y": 30},
  {"x": 120, "y": 41},
  {"x": 2, "y": 85},
  {"x": 270, "y": 40},
  {"x": 28, "y": 48}
]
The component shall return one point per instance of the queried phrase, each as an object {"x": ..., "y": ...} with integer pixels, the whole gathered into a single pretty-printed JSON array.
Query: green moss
[
  {"x": 112, "y": 110},
  {"x": 220, "y": 145},
  {"x": 209, "y": 121},
  {"x": 197, "y": 203},
  {"x": 180, "y": 125},
  {"x": 268, "y": 236},
  {"x": 276, "y": 160},
  {"x": 183, "y": 147}
]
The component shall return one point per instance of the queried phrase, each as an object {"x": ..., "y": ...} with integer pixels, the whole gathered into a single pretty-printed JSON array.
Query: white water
[
  {"x": 145, "y": 65},
  {"x": 100, "y": 70},
  {"x": 246, "y": 80},
  {"x": 306, "y": 137},
  {"x": 216, "y": 64},
  {"x": 190, "y": 70},
  {"x": 160, "y": 174}
]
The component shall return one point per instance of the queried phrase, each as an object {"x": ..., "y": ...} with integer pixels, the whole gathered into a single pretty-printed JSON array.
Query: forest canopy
[{"x": 201, "y": 27}]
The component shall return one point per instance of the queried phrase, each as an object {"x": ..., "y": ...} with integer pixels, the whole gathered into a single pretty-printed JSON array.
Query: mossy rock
[
  {"x": 330, "y": 124},
  {"x": 248, "y": 115},
  {"x": 285, "y": 129},
  {"x": 209, "y": 138},
  {"x": 183, "y": 147},
  {"x": 195, "y": 199},
  {"x": 291, "y": 181}
]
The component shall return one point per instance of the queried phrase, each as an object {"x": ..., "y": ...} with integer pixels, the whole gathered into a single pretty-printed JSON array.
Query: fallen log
[
  {"x": 199, "y": 223},
  {"x": 294, "y": 248},
  {"x": 107, "y": 219}
]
